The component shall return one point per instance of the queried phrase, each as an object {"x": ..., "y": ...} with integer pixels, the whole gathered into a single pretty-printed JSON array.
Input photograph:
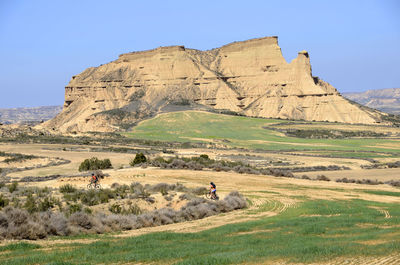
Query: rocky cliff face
[{"x": 249, "y": 77}]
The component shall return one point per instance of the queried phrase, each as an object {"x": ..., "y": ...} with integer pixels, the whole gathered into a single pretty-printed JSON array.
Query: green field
[
  {"x": 245, "y": 132},
  {"x": 316, "y": 231}
]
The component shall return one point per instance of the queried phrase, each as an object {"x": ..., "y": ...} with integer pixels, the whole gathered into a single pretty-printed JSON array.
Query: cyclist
[
  {"x": 94, "y": 179},
  {"x": 213, "y": 190}
]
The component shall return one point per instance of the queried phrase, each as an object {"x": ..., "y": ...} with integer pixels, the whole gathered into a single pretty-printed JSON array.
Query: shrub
[
  {"x": 394, "y": 183},
  {"x": 139, "y": 191},
  {"x": 55, "y": 223},
  {"x": 115, "y": 208},
  {"x": 67, "y": 188},
  {"x": 13, "y": 187},
  {"x": 204, "y": 156},
  {"x": 199, "y": 191},
  {"x": 162, "y": 187},
  {"x": 20, "y": 225},
  {"x": 74, "y": 196},
  {"x": 186, "y": 197},
  {"x": 3, "y": 201},
  {"x": 73, "y": 208},
  {"x": 90, "y": 198},
  {"x": 81, "y": 219},
  {"x": 30, "y": 204},
  {"x": 132, "y": 209},
  {"x": 322, "y": 178},
  {"x": 358, "y": 181},
  {"x": 139, "y": 158},
  {"x": 94, "y": 164},
  {"x": 45, "y": 204}
]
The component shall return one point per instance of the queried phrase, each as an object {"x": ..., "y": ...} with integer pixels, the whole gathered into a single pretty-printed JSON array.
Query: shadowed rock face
[{"x": 249, "y": 77}]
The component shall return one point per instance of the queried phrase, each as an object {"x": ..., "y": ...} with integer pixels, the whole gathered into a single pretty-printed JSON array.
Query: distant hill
[
  {"x": 386, "y": 100},
  {"x": 29, "y": 115}
]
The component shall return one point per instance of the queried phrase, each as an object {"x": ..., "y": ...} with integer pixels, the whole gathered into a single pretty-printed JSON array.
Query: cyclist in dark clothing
[{"x": 213, "y": 189}]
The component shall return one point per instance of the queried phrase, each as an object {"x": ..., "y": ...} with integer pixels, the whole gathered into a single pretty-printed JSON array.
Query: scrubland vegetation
[{"x": 34, "y": 213}]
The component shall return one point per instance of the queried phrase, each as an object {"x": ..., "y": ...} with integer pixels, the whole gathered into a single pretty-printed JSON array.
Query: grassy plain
[{"x": 244, "y": 132}]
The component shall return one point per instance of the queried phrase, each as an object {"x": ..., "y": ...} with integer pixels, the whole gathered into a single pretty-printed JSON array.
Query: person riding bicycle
[
  {"x": 213, "y": 190},
  {"x": 94, "y": 179}
]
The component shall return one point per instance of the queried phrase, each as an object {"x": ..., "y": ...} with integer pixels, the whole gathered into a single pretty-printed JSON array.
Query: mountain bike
[
  {"x": 211, "y": 196},
  {"x": 93, "y": 185}
]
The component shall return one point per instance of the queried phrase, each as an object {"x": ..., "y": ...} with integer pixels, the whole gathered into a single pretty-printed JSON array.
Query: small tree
[
  {"x": 94, "y": 164},
  {"x": 204, "y": 156},
  {"x": 139, "y": 158}
]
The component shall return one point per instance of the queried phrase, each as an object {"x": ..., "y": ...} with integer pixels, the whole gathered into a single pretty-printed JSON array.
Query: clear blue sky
[{"x": 354, "y": 45}]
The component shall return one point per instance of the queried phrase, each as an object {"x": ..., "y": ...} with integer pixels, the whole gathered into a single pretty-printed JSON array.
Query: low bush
[
  {"x": 81, "y": 220},
  {"x": 131, "y": 209},
  {"x": 30, "y": 204},
  {"x": 3, "y": 201},
  {"x": 394, "y": 164},
  {"x": 13, "y": 187},
  {"x": 73, "y": 208},
  {"x": 67, "y": 188},
  {"x": 46, "y": 204},
  {"x": 94, "y": 164},
  {"x": 323, "y": 178},
  {"x": 360, "y": 181},
  {"x": 394, "y": 183},
  {"x": 139, "y": 158},
  {"x": 115, "y": 208}
]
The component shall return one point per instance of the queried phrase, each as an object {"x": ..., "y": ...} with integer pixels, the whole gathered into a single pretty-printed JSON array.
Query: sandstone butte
[{"x": 248, "y": 77}]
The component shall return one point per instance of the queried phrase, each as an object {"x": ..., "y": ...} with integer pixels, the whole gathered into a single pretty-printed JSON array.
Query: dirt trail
[{"x": 383, "y": 211}]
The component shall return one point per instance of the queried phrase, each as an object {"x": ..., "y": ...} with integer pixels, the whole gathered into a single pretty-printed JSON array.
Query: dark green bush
[
  {"x": 139, "y": 158},
  {"x": 115, "y": 208},
  {"x": 204, "y": 156},
  {"x": 30, "y": 204},
  {"x": 73, "y": 208},
  {"x": 94, "y": 164},
  {"x": 13, "y": 187},
  {"x": 45, "y": 204},
  {"x": 3, "y": 201},
  {"x": 132, "y": 209}
]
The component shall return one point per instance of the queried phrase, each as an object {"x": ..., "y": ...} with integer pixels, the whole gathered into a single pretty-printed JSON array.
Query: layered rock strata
[{"x": 250, "y": 77}]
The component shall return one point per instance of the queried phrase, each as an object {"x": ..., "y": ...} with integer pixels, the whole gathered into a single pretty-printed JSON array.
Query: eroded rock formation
[{"x": 249, "y": 77}]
